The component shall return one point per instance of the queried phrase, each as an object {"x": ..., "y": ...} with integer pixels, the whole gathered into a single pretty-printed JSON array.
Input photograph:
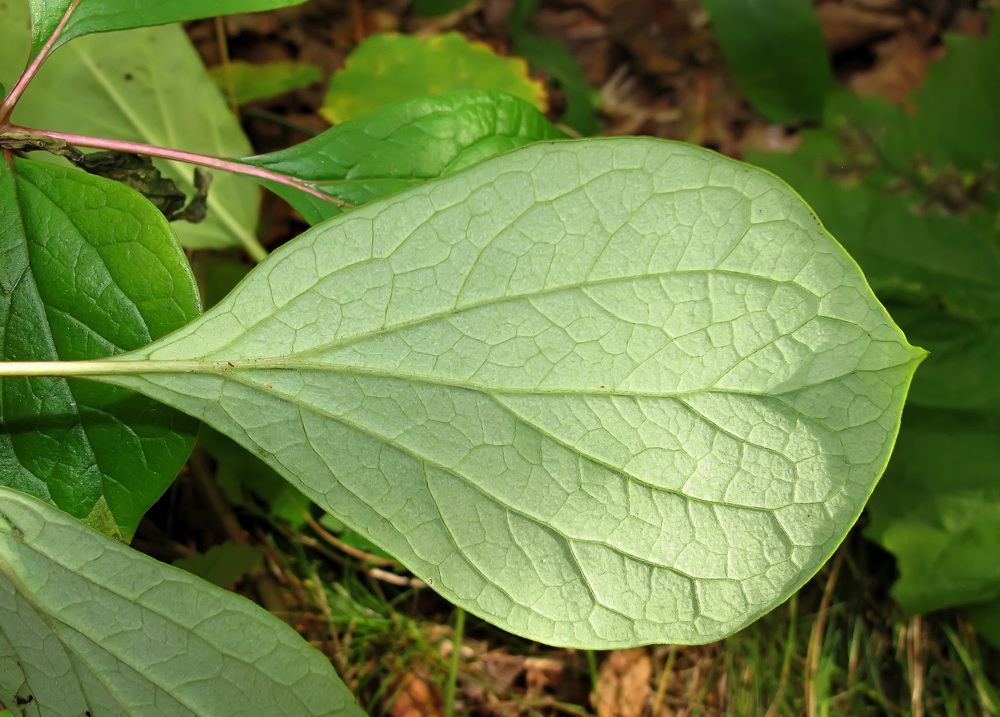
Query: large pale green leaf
[
  {"x": 87, "y": 268},
  {"x": 600, "y": 393},
  {"x": 777, "y": 54},
  {"x": 91, "y": 627},
  {"x": 404, "y": 144},
  {"x": 103, "y": 15},
  {"x": 146, "y": 85},
  {"x": 391, "y": 68}
]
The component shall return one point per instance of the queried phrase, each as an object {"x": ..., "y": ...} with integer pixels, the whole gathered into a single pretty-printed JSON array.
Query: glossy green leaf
[
  {"x": 391, "y": 68},
  {"x": 402, "y": 145},
  {"x": 601, "y": 393},
  {"x": 91, "y": 16},
  {"x": 777, "y": 54},
  {"x": 89, "y": 626},
  {"x": 261, "y": 80},
  {"x": 938, "y": 510},
  {"x": 150, "y": 86},
  {"x": 87, "y": 268}
]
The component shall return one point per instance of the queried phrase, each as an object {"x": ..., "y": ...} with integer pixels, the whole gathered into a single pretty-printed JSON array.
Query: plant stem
[
  {"x": 204, "y": 160},
  {"x": 456, "y": 652},
  {"x": 9, "y": 102}
]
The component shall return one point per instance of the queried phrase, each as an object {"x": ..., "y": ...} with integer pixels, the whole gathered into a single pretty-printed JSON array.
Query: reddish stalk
[
  {"x": 10, "y": 101},
  {"x": 203, "y": 160}
]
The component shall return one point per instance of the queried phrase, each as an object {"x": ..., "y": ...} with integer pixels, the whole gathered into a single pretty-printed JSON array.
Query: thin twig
[
  {"x": 227, "y": 67},
  {"x": 10, "y": 101},
  {"x": 234, "y": 166},
  {"x": 456, "y": 653},
  {"x": 349, "y": 549},
  {"x": 816, "y": 637}
]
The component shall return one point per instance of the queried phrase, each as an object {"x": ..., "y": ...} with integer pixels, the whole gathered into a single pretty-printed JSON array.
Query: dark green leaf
[
  {"x": 223, "y": 564},
  {"x": 986, "y": 618},
  {"x": 87, "y": 268},
  {"x": 91, "y": 16},
  {"x": 776, "y": 51},
  {"x": 238, "y": 471},
  {"x": 403, "y": 145},
  {"x": 557, "y": 62}
]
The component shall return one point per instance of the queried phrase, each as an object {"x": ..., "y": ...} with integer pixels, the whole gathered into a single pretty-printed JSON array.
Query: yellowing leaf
[{"x": 390, "y": 68}]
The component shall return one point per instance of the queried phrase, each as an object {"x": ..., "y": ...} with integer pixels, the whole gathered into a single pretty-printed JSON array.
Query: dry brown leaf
[
  {"x": 415, "y": 697},
  {"x": 540, "y": 674},
  {"x": 624, "y": 688},
  {"x": 504, "y": 669},
  {"x": 900, "y": 69},
  {"x": 848, "y": 26}
]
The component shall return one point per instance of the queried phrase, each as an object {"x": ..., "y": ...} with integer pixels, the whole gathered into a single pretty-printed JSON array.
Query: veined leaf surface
[
  {"x": 87, "y": 268},
  {"x": 601, "y": 393},
  {"x": 403, "y": 144},
  {"x": 89, "y": 626}
]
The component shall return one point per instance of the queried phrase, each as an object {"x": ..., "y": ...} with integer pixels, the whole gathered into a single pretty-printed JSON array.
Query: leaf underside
[
  {"x": 89, "y": 626},
  {"x": 601, "y": 393}
]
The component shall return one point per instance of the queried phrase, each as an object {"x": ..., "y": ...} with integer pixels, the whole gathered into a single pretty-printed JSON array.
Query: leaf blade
[
  {"x": 777, "y": 54},
  {"x": 389, "y": 68},
  {"x": 99, "y": 626},
  {"x": 401, "y": 145},
  {"x": 498, "y": 377},
  {"x": 91, "y": 450},
  {"x": 107, "y": 15}
]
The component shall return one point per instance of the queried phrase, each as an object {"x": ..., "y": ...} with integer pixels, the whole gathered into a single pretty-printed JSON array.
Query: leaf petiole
[
  {"x": 203, "y": 160},
  {"x": 9, "y": 102},
  {"x": 110, "y": 367}
]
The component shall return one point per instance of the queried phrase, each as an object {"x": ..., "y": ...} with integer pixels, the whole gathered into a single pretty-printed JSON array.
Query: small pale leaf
[{"x": 150, "y": 86}]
